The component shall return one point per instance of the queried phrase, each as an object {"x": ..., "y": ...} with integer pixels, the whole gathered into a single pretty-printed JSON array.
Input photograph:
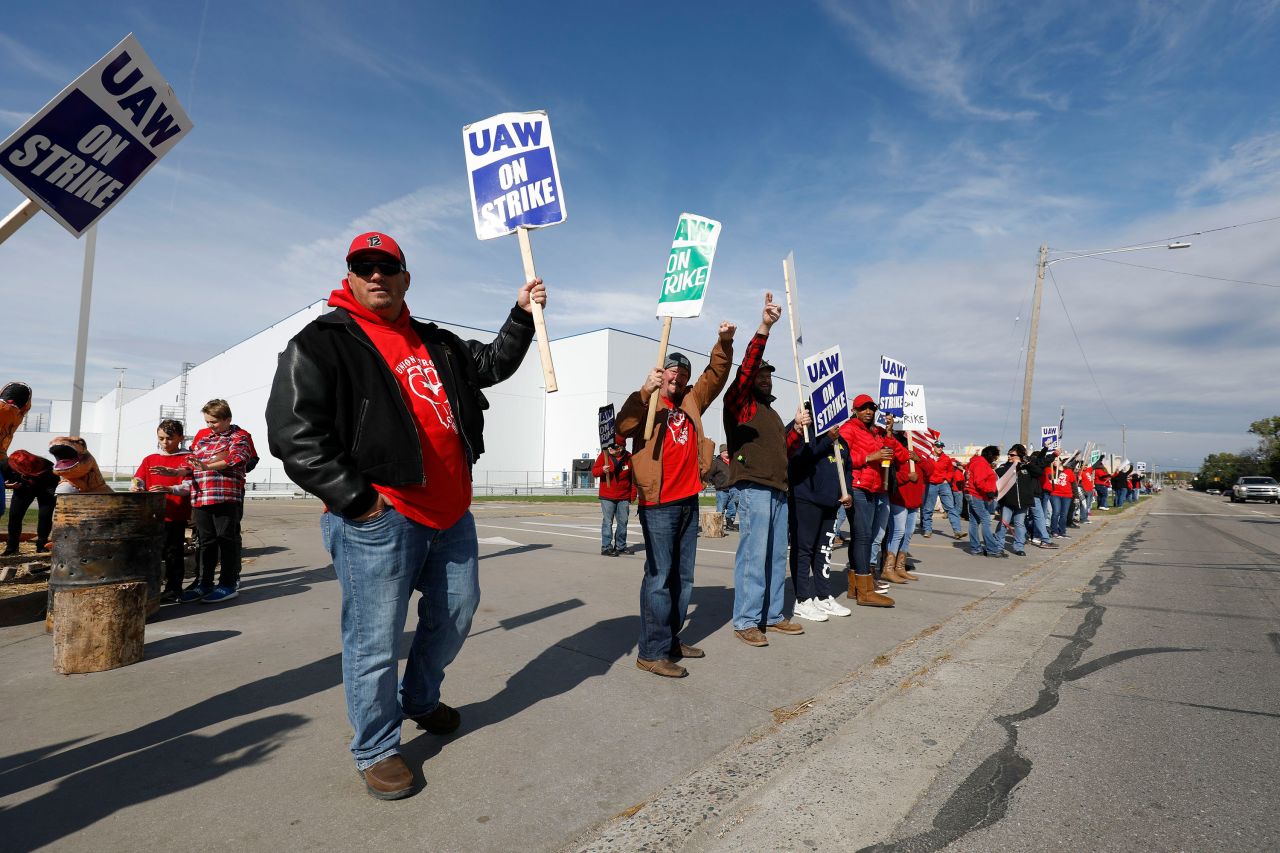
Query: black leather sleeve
[
  {"x": 301, "y": 432},
  {"x": 498, "y": 359}
]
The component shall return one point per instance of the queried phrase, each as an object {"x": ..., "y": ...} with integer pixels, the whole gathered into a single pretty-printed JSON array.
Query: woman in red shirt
[
  {"x": 904, "y": 508},
  {"x": 177, "y": 502},
  {"x": 1061, "y": 490}
]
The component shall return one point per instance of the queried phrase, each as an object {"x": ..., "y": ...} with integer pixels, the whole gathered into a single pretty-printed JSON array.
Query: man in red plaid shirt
[
  {"x": 217, "y": 464},
  {"x": 759, "y": 446}
]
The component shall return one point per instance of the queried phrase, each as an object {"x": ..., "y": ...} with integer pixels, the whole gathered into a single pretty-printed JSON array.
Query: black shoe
[
  {"x": 441, "y": 721},
  {"x": 1020, "y": 553},
  {"x": 999, "y": 555},
  {"x": 608, "y": 552},
  {"x": 619, "y": 552}
]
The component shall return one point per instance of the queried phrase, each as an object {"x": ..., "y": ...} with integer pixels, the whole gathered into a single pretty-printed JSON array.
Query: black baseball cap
[{"x": 676, "y": 359}]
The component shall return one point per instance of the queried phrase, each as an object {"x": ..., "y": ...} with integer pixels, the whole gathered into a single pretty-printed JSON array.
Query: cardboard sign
[
  {"x": 827, "y": 396},
  {"x": 684, "y": 287},
  {"x": 514, "y": 178},
  {"x": 1140, "y": 467},
  {"x": 1049, "y": 436},
  {"x": 608, "y": 430},
  {"x": 914, "y": 417},
  {"x": 91, "y": 144},
  {"x": 893, "y": 385}
]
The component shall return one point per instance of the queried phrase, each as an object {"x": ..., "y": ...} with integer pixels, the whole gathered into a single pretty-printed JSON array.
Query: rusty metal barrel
[{"x": 104, "y": 578}]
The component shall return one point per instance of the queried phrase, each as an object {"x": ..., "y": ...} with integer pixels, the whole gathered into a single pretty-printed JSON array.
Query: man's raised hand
[
  {"x": 772, "y": 311},
  {"x": 533, "y": 291},
  {"x": 726, "y": 332}
]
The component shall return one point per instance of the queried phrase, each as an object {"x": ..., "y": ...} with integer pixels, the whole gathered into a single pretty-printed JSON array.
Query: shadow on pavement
[{"x": 185, "y": 642}]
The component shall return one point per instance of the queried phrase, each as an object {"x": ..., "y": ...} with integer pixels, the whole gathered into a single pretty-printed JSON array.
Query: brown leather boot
[
  {"x": 865, "y": 592},
  {"x": 890, "y": 570},
  {"x": 903, "y": 566},
  {"x": 853, "y": 589}
]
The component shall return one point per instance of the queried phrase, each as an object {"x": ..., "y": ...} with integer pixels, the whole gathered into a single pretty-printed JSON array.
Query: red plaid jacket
[
  {"x": 215, "y": 487},
  {"x": 739, "y": 403}
]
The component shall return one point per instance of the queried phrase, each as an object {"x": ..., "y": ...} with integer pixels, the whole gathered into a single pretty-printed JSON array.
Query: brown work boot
[
  {"x": 662, "y": 667},
  {"x": 786, "y": 626},
  {"x": 890, "y": 570},
  {"x": 903, "y": 566},
  {"x": 853, "y": 590},
  {"x": 752, "y": 636},
  {"x": 866, "y": 593},
  {"x": 680, "y": 650},
  {"x": 389, "y": 779}
]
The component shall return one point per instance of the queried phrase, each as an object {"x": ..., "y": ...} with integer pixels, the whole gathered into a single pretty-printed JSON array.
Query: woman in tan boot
[{"x": 911, "y": 480}]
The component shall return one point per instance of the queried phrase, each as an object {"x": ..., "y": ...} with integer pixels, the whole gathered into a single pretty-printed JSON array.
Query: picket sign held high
[
  {"x": 789, "y": 282},
  {"x": 653, "y": 398},
  {"x": 539, "y": 322}
]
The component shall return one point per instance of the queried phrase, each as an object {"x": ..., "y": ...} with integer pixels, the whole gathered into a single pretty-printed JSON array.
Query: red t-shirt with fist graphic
[
  {"x": 680, "y": 476},
  {"x": 445, "y": 493}
]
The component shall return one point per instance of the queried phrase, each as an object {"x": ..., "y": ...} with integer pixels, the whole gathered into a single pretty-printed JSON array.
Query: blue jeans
[
  {"x": 1017, "y": 519},
  {"x": 1046, "y": 508},
  {"x": 1085, "y": 504},
  {"x": 671, "y": 545},
  {"x": 902, "y": 523},
  {"x": 1102, "y": 496},
  {"x": 1061, "y": 509},
  {"x": 880, "y": 526},
  {"x": 611, "y": 511},
  {"x": 866, "y": 506},
  {"x": 380, "y": 563},
  {"x": 1040, "y": 526},
  {"x": 933, "y": 493},
  {"x": 1119, "y": 499},
  {"x": 842, "y": 518},
  {"x": 760, "y": 566},
  {"x": 980, "y": 536},
  {"x": 727, "y": 503}
]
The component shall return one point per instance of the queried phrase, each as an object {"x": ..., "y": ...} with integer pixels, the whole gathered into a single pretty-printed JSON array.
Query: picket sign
[
  {"x": 844, "y": 490},
  {"x": 789, "y": 281},
  {"x": 914, "y": 416},
  {"x": 684, "y": 286},
  {"x": 607, "y": 424},
  {"x": 514, "y": 181}
]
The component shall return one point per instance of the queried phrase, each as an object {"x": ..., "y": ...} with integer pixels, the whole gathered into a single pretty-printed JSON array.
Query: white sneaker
[
  {"x": 831, "y": 606},
  {"x": 882, "y": 587},
  {"x": 806, "y": 610}
]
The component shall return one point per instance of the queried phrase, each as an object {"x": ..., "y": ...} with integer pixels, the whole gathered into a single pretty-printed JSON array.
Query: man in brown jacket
[{"x": 668, "y": 472}]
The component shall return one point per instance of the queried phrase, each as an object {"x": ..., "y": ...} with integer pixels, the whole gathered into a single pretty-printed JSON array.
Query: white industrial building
[{"x": 531, "y": 438}]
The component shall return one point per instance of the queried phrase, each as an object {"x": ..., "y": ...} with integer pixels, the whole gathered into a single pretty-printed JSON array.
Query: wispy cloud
[
  {"x": 1249, "y": 166},
  {"x": 20, "y": 56}
]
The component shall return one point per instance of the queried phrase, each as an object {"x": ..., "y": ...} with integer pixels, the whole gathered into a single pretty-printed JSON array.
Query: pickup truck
[{"x": 1255, "y": 489}]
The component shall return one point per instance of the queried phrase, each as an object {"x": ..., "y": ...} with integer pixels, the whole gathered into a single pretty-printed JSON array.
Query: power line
[
  {"x": 1192, "y": 233},
  {"x": 1189, "y": 274},
  {"x": 1087, "y": 367}
]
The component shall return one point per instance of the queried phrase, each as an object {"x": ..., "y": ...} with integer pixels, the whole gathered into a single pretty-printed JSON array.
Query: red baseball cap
[
  {"x": 862, "y": 400},
  {"x": 376, "y": 241}
]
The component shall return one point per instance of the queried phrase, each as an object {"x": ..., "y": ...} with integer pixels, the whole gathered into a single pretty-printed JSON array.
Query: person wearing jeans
[
  {"x": 981, "y": 494},
  {"x": 1061, "y": 492},
  {"x": 940, "y": 489},
  {"x": 670, "y": 534},
  {"x": 381, "y": 416},
  {"x": 1018, "y": 499},
  {"x": 612, "y": 469},
  {"x": 870, "y": 447}
]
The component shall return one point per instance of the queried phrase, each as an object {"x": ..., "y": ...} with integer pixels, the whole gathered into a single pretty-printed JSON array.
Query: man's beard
[{"x": 762, "y": 396}]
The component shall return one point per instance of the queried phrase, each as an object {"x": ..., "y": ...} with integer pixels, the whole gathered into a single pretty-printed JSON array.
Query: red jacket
[
  {"x": 864, "y": 441},
  {"x": 957, "y": 477},
  {"x": 1063, "y": 482},
  {"x": 1102, "y": 478},
  {"x": 981, "y": 482},
  {"x": 620, "y": 484},
  {"x": 909, "y": 494},
  {"x": 943, "y": 469},
  {"x": 1086, "y": 479}
]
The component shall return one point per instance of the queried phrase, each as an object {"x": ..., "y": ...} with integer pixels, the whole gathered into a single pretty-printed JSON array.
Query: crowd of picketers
[{"x": 779, "y": 486}]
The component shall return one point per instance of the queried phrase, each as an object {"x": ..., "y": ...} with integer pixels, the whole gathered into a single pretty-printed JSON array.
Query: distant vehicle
[
  {"x": 1255, "y": 489},
  {"x": 1213, "y": 491}
]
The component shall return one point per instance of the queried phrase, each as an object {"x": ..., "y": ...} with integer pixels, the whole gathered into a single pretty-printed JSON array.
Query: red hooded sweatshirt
[
  {"x": 909, "y": 494},
  {"x": 982, "y": 478},
  {"x": 445, "y": 491},
  {"x": 619, "y": 485}
]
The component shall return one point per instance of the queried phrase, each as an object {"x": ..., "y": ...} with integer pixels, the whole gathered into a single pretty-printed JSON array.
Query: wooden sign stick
[
  {"x": 795, "y": 347},
  {"x": 653, "y": 398},
  {"x": 844, "y": 490},
  {"x": 911, "y": 448},
  {"x": 539, "y": 323}
]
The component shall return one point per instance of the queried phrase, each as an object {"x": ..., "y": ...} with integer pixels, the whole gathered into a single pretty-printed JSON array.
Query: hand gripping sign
[
  {"x": 684, "y": 287},
  {"x": 515, "y": 186},
  {"x": 84, "y": 150}
]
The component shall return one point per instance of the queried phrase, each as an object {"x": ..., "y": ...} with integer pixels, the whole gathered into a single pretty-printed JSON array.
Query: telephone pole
[{"x": 1024, "y": 433}]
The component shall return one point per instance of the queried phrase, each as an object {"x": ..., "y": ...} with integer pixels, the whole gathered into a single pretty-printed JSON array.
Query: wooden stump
[
  {"x": 99, "y": 627},
  {"x": 713, "y": 525}
]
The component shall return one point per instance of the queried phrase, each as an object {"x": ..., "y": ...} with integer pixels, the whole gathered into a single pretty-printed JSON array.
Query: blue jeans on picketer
[
  {"x": 1046, "y": 507},
  {"x": 671, "y": 545},
  {"x": 1119, "y": 498},
  {"x": 760, "y": 566},
  {"x": 865, "y": 506},
  {"x": 1039, "y": 524},
  {"x": 1061, "y": 509},
  {"x": 842, "y": 518},
  {"x": 1102, "y": 496},
  {"x": 1086, "y": 503},
  {"x": 380, "y": 563},
  {"x": 727, "y": 503},
  {"x": 902, "y": 523},
  {"x": 980, "y": 535},
  {"x": 1017, "y": 519},
  {"x": 881, "y": 526},
  {"x": 934, "y": 493},
  {"x": 614, "y": 511}
]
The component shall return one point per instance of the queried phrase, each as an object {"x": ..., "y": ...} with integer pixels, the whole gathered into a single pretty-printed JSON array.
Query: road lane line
[{"x": 954, "y": 578}]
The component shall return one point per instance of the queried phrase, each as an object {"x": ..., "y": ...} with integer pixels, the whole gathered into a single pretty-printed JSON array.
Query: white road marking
[
  {"x": 572, "y": 535},
  {"x": 953, "y": 578},
  {"x": 499, "y": 540}
]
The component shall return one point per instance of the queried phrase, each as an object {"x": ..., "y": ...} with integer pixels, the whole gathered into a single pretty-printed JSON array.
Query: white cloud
[{"x": 1250, "y": 165}]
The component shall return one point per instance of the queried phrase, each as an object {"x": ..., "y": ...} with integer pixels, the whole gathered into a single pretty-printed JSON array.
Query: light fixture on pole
[{"x": 1043, "y": 264}]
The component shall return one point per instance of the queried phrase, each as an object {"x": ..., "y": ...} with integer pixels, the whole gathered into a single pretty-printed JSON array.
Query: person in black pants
[
  {"x": 813, "y": 498},
  {"x": 32, "y": 479}
]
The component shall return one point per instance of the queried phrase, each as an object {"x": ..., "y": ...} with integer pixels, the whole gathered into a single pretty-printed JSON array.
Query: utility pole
[
  {"x": 1124, "y": 447},
  {"x": 1025, "y": 433},
  {"x": 115, "y": 469}
]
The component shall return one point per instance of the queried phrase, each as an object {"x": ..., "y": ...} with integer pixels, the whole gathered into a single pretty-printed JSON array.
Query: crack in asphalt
[{"x": 983, "y": 797}]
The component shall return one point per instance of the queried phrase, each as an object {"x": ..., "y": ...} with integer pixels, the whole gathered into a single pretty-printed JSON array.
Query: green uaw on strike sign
[{"x": 684, "y": 287}]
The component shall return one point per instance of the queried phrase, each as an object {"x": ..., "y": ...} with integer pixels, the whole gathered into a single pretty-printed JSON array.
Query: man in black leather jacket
[{"x": 381, "y": 417}]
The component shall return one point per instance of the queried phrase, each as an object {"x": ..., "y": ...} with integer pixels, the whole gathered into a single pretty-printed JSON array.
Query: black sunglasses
[{"x": 364, "y": 269}]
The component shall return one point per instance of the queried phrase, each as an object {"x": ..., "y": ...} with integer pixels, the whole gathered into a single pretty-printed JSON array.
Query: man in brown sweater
[
  {"x": 759, "y": 445},
  {"x": 668, "y": 472}
]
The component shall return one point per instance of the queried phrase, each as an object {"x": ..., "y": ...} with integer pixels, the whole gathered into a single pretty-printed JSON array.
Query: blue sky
[{"x": 913, "y": 155}]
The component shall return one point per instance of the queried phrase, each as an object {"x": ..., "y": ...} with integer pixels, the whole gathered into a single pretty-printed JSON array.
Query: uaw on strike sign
[
  {"x": 693, "y": 249},
  {"x": 515, "y": 182},
  {"x": 91, "y": 144}
]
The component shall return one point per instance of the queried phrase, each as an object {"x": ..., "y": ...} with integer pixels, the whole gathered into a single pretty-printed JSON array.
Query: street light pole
[
  {"x": 115, "y": 468},
  {"x": 1043, "y": 264}
]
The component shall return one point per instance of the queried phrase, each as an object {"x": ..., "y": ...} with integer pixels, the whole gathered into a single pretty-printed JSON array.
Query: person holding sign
[
  {"x": 381, "y": 417},
  {"x": 668, "y": 471},
  {"x": 870, "y": 447},
  {"x": 814, "y": 475},
  {"x": 617, "y": 491},
  {"x": 759, "y": 446}
]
